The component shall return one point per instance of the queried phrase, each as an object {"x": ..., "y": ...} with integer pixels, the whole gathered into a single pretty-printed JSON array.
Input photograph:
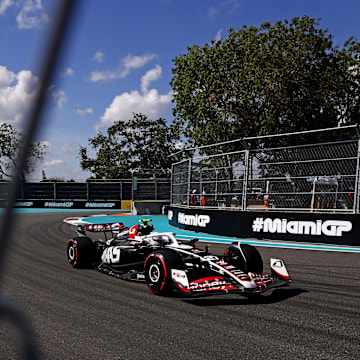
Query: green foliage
[
  {"x": 273, "y": 79},
  {"x": 10, "y": 145},
  {"x": 139, "y": 143}
]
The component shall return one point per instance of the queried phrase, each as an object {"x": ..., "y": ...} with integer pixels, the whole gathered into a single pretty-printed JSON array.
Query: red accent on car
[
  {"x": 133, "y": 231},
  {"x": 282, "y": 276},
  {"x": 210, "y": 278},
  {"x": 76, "y": 252}
]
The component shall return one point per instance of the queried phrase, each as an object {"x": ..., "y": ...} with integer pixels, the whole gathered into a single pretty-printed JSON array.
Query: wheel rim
[
  {"x": 154, "y": 273},
  {"x": 71, "y": 253}
]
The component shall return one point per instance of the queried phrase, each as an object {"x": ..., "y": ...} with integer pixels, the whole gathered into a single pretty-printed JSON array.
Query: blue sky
[{"x": 118, "y": 59}]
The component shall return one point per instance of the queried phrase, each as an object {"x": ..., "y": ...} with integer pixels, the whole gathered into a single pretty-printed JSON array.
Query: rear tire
[
  {"x": 248, "y": 259},
  {"x": 81, "y": 252},
  {"x": 157, "y": 270}
]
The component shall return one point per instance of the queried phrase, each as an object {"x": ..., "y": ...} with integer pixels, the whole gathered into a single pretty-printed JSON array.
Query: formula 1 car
[{"x": 170, "y": 266}]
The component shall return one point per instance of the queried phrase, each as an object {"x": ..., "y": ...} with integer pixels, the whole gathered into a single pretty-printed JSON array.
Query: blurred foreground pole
[{"x": 27, "y": 344}]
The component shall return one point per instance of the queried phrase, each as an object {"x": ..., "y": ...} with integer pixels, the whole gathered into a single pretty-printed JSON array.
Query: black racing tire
[
  {"x": 248, "y": 259},
  {"x": 157, "y": 269},
  {"x": 81, "y": 252}
]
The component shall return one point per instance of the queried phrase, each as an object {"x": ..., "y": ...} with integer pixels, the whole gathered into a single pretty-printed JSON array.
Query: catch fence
[
  {"x": 298, "y": 172},
  {"x": 95, "y": 190}
]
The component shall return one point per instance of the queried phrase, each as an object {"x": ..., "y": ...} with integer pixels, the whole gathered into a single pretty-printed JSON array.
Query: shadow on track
[{"x": 275, "y": 296}]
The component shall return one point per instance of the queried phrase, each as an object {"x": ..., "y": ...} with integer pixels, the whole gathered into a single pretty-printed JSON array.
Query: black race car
[{"x": 171, "y": 266}]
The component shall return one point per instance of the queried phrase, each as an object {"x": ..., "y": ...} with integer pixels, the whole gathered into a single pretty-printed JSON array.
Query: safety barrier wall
[
  {"x": 320, "y": 177},
  {"x": 280, "y": 188},
  {"x": 90, "y": 194},
  {"x": 339, "y": 229}
]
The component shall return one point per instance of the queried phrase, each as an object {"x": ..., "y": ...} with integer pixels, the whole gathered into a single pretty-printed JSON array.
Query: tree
[
  {"x": 139, "y": 143},
  {"x": 10, "y": 145},
  {"x": 258, "y": 81}
]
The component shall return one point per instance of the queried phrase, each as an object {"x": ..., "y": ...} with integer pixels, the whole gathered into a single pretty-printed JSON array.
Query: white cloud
[
  {"x": 229, "y": 6},
  {"x": 59, "y": 97},
  {"x": 125, "y": 66},
  {"x": 136, "y": 62},
  {"x": 233, "y": 5},
  {"x": 150, "y": 76},
  {"x": 102, "y": 75},
  {"x": 98, "y": 57},
  {"x": 67, "y": 148},
  {"x": 218, "y": 35},
  {"x": 31, "y": 15},
  {"x": 6, "y": 77},
  {"x": 4, "y": 5},
  {"x": 148, "y": 102},
  {"x": 123, "y": 106},
  {"x": 68, "y": 72},
  {"x": 85, "y": 111},
  {"x": 17, "y": 91},
  {"x": 212, "y": 12},
  {"x": 54, "y": 163}
]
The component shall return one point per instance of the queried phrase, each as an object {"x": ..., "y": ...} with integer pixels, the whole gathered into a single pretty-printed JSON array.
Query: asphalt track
[{"x": 83, "y": 314}]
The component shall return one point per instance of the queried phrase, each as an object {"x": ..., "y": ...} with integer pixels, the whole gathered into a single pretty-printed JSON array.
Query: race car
[{"x": 170, "y": 266}]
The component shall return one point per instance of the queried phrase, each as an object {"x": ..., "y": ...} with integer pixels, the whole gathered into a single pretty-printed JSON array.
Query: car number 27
[{"x": 111, "y": 255}]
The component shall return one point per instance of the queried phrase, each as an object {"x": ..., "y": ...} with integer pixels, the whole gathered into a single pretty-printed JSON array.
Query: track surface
[{"x": 83, "y": 314}]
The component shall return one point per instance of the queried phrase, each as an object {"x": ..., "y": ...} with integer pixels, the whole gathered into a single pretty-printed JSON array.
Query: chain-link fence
[
  {"x": 127, "y": 189},
  {"x": 273, "y": 173}
]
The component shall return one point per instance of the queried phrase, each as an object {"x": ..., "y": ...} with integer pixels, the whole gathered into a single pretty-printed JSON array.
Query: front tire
[
  {"x": 81, "y": 252},
  {"x": 157, "y": 270},
  {"x": 248, "y": 259}
]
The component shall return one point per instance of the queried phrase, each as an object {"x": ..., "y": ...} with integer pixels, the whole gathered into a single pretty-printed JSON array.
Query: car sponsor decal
[
  {"x": 180, "y": 279},
  {"x": 211, "y": 283},
  {"x": 103, "y": 227},
  {"x": 111, "y": 255},
  {"x": 133, "y": 231},
  {"x": 238, "y": 275}
]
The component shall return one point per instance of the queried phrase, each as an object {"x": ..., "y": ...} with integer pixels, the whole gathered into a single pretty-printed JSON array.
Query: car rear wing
[{"x": 102, "y": 227}]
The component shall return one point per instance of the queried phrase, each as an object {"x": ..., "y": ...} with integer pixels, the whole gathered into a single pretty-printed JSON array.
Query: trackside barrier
[
  {"x": 114, "y": 194},
  {"x": 302, "y": 185}
]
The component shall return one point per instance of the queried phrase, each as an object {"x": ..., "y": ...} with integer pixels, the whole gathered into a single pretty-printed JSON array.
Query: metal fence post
[
  {"x": 171, "y": 184},
  {"x": 54, "y": 189},
  {"x": 356, "y": 190},
  {"x": 156, "y": 190},
  {"x": 189, "y": 182},
  {"x": 87, "y": 190},
  {"x": 245, "y": 181}
]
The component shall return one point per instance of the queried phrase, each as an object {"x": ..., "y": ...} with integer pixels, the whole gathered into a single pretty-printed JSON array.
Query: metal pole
[
  {"x": 189, "y": 182},
  {"x": 171, "y": 185},
  {"x": 356, "y": 190},
  {"x": 245, "y": 182},
  {"x": 27, "y": 343}
]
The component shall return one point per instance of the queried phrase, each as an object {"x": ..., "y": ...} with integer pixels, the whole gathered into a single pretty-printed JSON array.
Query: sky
[{"x": 118, "y": 60}]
